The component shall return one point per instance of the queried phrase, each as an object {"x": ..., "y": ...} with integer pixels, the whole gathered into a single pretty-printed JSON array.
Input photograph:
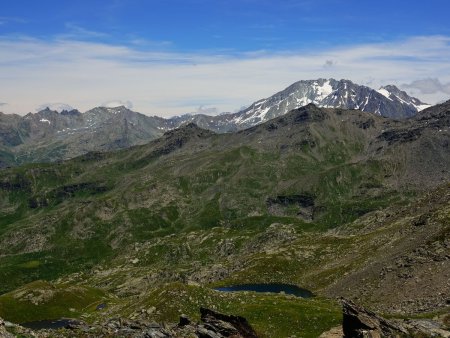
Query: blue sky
[{"x": 170, "y": 57}]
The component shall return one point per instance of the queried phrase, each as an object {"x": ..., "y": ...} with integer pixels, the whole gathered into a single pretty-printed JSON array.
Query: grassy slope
[{"x": 42, "y": 300}]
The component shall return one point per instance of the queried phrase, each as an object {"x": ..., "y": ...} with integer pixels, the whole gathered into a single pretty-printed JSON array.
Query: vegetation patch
[{"x": 42, "y": 300}]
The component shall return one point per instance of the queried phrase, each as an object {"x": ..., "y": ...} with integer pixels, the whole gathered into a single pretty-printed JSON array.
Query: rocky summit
[{"x": 340, "y": 202}]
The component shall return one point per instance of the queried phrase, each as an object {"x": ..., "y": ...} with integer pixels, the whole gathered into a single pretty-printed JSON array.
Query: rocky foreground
[{"x": 357, "y": 322}]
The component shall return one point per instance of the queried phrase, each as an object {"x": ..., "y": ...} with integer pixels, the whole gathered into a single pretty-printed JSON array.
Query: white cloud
[
  {"x": 207, "y": 110},
  {"x": 167, "y": 83},
  {"x": 117, "y": 103}
]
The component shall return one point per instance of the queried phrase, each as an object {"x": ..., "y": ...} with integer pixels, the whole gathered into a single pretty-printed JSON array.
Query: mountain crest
[
  {"x": 188, "y": 130},
  {"x": 394, "y": 94}
]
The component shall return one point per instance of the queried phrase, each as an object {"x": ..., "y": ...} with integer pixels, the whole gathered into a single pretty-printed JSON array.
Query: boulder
[{"x": 3, "y": 332}]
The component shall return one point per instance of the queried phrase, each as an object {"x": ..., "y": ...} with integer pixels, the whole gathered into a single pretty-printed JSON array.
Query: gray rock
[{"x": 358, "y": 323}]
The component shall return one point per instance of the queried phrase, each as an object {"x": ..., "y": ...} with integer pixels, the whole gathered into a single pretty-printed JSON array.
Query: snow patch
[
  {"x": 385, "y": 93},
  {"x": 45, "y": 120},
  {"x": 323, "y": 91},
  {"x": 421, "y": 107}
]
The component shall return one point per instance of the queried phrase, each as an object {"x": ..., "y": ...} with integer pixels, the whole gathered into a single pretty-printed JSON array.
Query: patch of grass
[
  {"x": 41, "y": 300},
  {"x": 30, "y": 264},
  {"x": 210, "y": 214}
]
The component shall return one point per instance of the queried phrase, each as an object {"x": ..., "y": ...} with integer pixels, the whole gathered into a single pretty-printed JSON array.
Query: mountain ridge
[{"x": 50, "y": 135}]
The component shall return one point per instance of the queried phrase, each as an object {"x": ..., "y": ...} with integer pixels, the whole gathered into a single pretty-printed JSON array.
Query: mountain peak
[
  {"x": 73, "y": 112},
  {"x": 47, "y": 110},
  {"x": 388, "y": 101},
  {"x": 188, "y": 129},
  {"x": 393, "y": 93}
]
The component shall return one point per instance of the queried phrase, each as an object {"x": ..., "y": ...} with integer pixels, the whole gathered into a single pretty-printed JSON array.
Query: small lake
[
  {"x": 271, "y": 287},
  {"x": 101, "y": 306},
  {"x": 49, "y": 324}
]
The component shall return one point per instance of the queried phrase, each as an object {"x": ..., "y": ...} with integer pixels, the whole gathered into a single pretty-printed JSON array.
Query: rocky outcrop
[
  {"x": 282, "y": 205},
  {"x": 359, "y": 322},
  {"x": 219, "y": 325}
]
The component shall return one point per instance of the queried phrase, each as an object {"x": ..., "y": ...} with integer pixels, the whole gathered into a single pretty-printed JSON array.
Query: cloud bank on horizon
[{"x": 162, "y": 63}]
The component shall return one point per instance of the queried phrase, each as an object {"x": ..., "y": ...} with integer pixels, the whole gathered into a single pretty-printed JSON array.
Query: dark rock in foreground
[
  {"x": 212, "y": 325},
  {"x": 359, "y": 322},
  {"x": 219, "y": 325}
]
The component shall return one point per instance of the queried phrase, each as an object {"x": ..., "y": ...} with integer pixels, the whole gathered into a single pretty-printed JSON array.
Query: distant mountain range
[
  {"x": 50, "y": 135},
  {"x": 388, "y": 101}
]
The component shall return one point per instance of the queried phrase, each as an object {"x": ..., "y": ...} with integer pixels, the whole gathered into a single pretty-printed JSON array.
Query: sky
[{"x": 170, "y": 57}]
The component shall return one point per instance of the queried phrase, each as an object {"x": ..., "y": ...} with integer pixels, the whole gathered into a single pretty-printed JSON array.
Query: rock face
[{"x": 359, "y": 322}]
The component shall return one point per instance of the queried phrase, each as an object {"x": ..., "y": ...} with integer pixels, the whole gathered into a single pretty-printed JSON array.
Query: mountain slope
[
  {"x": 50, "y": 136},
  {"x": 319, "y": 166},
  {"x": 310, "y": 198}
]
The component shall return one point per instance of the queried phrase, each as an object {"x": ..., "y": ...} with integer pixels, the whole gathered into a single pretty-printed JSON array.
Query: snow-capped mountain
[{"x": 389, "y": 101}]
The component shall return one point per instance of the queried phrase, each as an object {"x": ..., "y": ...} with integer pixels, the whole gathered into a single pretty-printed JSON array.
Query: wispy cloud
[
  {"x": 159, "y": 82},
  {"x": 429, "y": 86},
  {"x": 116, "y": 103},
  {"x": 77, "y": 32},
  {"x": 207, "y": 110}
]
